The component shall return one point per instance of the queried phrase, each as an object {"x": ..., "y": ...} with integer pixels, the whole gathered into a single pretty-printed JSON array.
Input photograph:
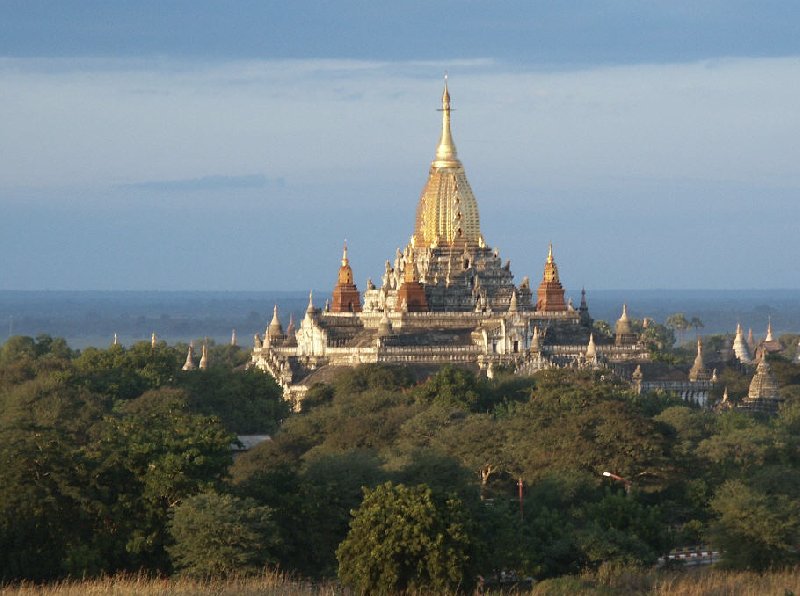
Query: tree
[
  {"x": 450, "y": 388},
  {"x": 220, "y": 535},
  {"x": 754, "y": 529},
  {"x": 247, "y": 402},
  {"x": 476, "y": 441},
  {"x": 405, "y": 538},
  {"x": 679, "y": 323},
  {"x": 602, "y": 327},
  {"x": 46, "y": 527},
  {"x": 696, "y": 323},
  {"x": 147, "y": 459},
  {"x": 659, "y": 338},
  {"x": 618, "y": 528}
]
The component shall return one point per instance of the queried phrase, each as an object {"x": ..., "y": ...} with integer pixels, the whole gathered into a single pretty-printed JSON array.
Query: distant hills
[{"x": 92, "y": 317}]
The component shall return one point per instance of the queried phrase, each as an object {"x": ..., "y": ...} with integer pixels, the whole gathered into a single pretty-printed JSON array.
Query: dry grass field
[
  {"x": 706, "y": 582},
  {"x": 267, "y": 584}
]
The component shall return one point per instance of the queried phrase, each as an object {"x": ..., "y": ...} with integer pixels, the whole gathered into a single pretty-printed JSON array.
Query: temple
[{"x": 446, "y": 298}]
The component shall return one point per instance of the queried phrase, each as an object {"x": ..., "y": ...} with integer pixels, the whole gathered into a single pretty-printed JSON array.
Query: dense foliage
[
  {"x": 98, "y": 449},
  {"x": 117, "y": 460}
]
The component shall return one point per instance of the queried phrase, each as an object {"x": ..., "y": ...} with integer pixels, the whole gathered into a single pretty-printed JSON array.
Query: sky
[{"x": 158, "y": 145}]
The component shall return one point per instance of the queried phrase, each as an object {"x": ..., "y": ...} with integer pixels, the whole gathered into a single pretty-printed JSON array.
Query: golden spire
[
  {"x": 624, "y": 316},
  {"x": 769, "y": 330},
  {"x": 446, "y": 149},
  {"x": 447, "y": 212},
  {"x": 591, "y": 348},
  {"x": 345, "y": 271},
  {"x": 550, "y": 267}
]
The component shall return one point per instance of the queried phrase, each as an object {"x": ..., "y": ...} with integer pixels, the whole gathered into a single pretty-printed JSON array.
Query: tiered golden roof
[
  {"x": 447, "y": 213},
  {"x": 764, "y": 385}
]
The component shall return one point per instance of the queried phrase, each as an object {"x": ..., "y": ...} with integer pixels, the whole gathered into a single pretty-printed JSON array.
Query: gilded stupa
[
  {"x": 446, "y": 298},
  {"x": 447, "y": 213},
  {"x": 763, "y": 394}
]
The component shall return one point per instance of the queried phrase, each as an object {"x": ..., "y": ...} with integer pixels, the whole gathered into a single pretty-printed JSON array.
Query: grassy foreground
[{"x": 703, "y": 582}]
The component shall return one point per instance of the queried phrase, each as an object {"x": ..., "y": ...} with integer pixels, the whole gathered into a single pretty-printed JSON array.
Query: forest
[{"x": 115, "y": 460}]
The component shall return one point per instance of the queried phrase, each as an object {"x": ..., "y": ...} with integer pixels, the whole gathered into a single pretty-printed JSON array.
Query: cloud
[
  {"x": 633, "y": 171},
  {"x": 205, "y": 183}
]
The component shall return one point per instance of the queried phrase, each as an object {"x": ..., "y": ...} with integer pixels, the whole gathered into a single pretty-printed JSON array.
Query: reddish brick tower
[
  {"x": 550, "y": 295},
  {"x": 345, "y": 295},
  {"x": 411, "y": 295}
]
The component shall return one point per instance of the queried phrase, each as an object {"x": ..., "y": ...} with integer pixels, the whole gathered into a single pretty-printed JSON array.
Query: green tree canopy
[
  {"x": 405, "y": 538},
  {"x": 221, "y": 535}
]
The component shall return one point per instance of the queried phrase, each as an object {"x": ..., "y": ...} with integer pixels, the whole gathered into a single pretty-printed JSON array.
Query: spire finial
[
  {"x": 769, "y": 330},
  {"x": 550, "y": 252},
  {"x": 446, "y": 150},
  {"x": 344, "y": 254},
  {"x": 189, "y": 364}
]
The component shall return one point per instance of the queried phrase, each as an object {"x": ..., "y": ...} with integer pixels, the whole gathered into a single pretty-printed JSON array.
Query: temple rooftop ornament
[
  {"x": 763, "y": 395},
  {"x": 591, "y": 349},
  {"x": 204, "y": 356},
  {"x": 550, "y": 295},
  {"x": 275, "y": 328},
  {"x": 513, "y": 306},
  {"x": 699, "y": 372},
  {"x": 725, "y": 403},
  {"x": 346, "y": 297},
  {"x": 153, "y": 340},
  {"x": 740, "y": 347},
  {"x": 189, "y": 364},
  {"x": 623, "y": 332}
]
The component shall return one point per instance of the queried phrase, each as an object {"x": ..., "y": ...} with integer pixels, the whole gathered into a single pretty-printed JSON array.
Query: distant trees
[{"x": 117, "y": 460}]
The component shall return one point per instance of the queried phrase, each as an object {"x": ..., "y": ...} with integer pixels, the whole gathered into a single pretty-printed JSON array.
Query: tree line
[{"x": 116, "y": 460}]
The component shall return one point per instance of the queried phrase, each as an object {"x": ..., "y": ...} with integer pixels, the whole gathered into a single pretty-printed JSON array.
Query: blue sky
[{"x": 210, "y": 145}]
